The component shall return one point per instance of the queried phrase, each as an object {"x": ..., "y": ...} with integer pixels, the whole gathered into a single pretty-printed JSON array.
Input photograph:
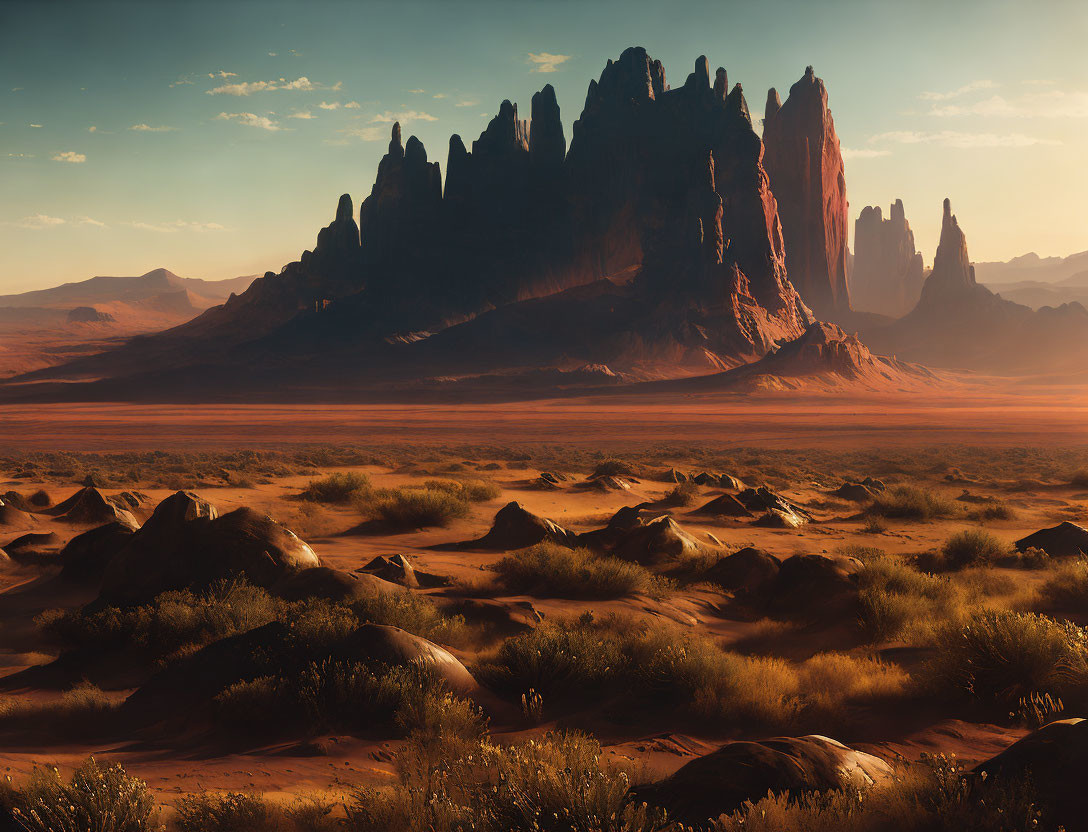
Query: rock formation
[
  {"x": 959, "y": 323},
  {"x": 887, "y": 272},
  {"x": 809, "y": 182},
  {"x": 653, "y": 246}
]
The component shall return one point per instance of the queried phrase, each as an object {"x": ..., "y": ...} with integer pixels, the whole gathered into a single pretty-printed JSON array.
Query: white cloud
[
  {"x": 92, "y": 129},
  {"x": 468, "y": 103},
  {"x": 304, "y": 114},
  {"x": 184, "y": 80},
  {"x": 35, "y": 125},
  {"x": 20, "y": 155},
  {"x": 1051, "y": 104},
  {"x": 37, "y": 221},
  {"x": 327, "y": 105},
  {"x": 546, "y": 61},
  {"x": 92, "y": 222},
  {"x": 147, "y": 128},
  {"x": 415, "y": 92},
  {"x": 404, "y": 117},
  {"x": 250, "y": 120},
  {"x": 863, "y": 153},
  {"x": 222, "y": 74},
  {"x": 439, "y": 95},
  {"x": 175, "y": 226},
  {"x": 302, "y": 84},
  {"x": 352, "y": 105},
  {"x": 958, "y": 139},
  {"x": 70, "y": 156},
  {"x": 970, "y": 87}
]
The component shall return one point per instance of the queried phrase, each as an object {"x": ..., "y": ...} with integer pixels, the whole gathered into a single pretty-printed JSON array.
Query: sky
[{"x": 214, "y": 139}]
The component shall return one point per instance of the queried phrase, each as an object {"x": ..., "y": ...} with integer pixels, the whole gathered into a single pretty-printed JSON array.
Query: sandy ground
[
  {"x": 1026, "y": 416},
  {"x": 766, "y": 422}
]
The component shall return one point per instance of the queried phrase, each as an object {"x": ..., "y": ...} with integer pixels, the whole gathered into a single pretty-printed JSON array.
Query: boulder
[
  {"x": 763, "y": 499},
  {"x": 505, "y": 618},
  {"x": 1064, "y": 540},
  {"x": 724, "y": 506},
  {"x": 856, "y": 492},
  {"x": 185, "y": 543},
  {"x": 396, "y": 569},
  {"x": 721, "y": 782},
  {"x": 657, "y": 541},
  {"x": 33, "y": 542},
  {"x": 746, "y": 571},
  {"x": 1055, "y": 757},
  {"x": 672, "y": 475},
  {"x": 328, "y": 583},
  {"x": 775, "y": 518},
  {"x": 703, "y": 478},
  {"x": 730, "y": 482},
  {"x": 874, "y": 484},
  {"x": 382, "y": 644},
  {"x": 814, "y": 586},
  {"x": 608, "y": 483},
  {"x": 515, "y": 528},
  {"x": 86, "y": 556}
]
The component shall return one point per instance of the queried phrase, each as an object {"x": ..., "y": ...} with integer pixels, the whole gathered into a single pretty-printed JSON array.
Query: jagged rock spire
[
  {"x": 887, "y": 273},
  {"x": 721, "y": 84},
  {"x": 808, "y": 179}
]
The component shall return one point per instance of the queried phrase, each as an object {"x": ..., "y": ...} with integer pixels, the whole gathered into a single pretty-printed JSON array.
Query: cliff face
[
  {"x": 808, "y": 179},
  {"x": 662, "y": 194},
  {"x": 887, "y": 271}
]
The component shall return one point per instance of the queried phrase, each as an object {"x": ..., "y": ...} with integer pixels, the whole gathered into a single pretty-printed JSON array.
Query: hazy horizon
[{"x": 214, "y": 141}]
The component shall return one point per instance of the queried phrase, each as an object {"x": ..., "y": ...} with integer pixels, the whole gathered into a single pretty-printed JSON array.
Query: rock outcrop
[
  {"x": 516, "y": 528},
  {"x": 652, "y": 246},
  {"x": 1064, "y": 540},
  {"x": 808, "y": 180},
  {"x": 887, "y": 272},
  {"x": 959, "y": 323},
  {"x": 721, "y": 782}
]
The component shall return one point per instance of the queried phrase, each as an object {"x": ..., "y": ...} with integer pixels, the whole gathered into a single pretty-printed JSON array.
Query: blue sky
[{"x": 215, "y": 138}]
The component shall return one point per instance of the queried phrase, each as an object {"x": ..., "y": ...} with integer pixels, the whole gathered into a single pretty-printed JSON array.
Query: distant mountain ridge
[
  {"x": 1071, "y": 270},
  {"x": 108, "y": 289}
]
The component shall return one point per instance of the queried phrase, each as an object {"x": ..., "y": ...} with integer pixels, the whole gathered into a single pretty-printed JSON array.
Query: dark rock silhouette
[
  {"x": 88, "y": 315},
  {"x": 1064, "y": 540},
  {"x": 808, "y": 179},
  {"x": 515, "y": 528},
  {"x": 887, "y": 271},
  {"x": 652, "y": 246}
]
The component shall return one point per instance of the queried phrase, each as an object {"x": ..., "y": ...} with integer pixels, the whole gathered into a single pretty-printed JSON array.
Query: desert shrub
[
  {"x": 345, "y": 696},
  {"x": 40, "y": 499},
  {"x": 415, "y": 613},
  {"x": 972, "y": 547},
  {"x": 1003, "y": 657},
  {"x": 1067, "y": 586},
  {"x": 222, "y": 812},
  {"x": 557, "y": 783},
  {"x": 684, "y": 494},
  {"x": 96, "y": 798},
  {"x": 413, "y": 507},
  {"x": 874, "y": 525},
  {"x": 336, "y": 488},
  {"x": 1033, "y": 558},
  {"x": 657, "y": 667},
  {"x": 897, "y": 601},
  {"x": 550, "y": 570},
  {"x": 173, "y": 621},
  {"x": 472, "y": 491},
  {"x": 934, "y": 795},
  {"x": 910, "y": 503},
  {"x": 84, "y": 712},
  {"x": 613, "y": 467},
  {"x": 996, "y": 510}
]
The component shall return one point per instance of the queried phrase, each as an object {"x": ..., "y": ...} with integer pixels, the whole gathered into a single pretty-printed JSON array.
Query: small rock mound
[
  {"x": 396, "y": 647},
  {"x": 34, "y": 542},
  {"x": 11, "y": 516},
  {"x": 725, "y": 505},
  {"x": 855, "y": 492},
  {"x": 515, "y": 528},
  {"x": 330, "y": 584},
  {"x": 656, "y": 541},
  {"x": 1064, "y": 540},
  {"x": 748, "y": 571},
  {"x": 85, "y": 558},
  {"x": 1056, "y": 758},
  {"x": 814, "y": 586},
  {"x": 763, "y": 499},
  {"x": 721, "y": 782},
  {"x": 89, "y": 507},
  {"x": 775, "y": 518},
  {"x": 186, "y": 543}
]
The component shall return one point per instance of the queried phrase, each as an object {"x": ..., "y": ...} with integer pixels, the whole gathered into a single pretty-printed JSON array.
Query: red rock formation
[
  {"x": 953, "y": 276},
  {"x": 887, "y": 272},
  {"x": 807, "y": 178}
]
